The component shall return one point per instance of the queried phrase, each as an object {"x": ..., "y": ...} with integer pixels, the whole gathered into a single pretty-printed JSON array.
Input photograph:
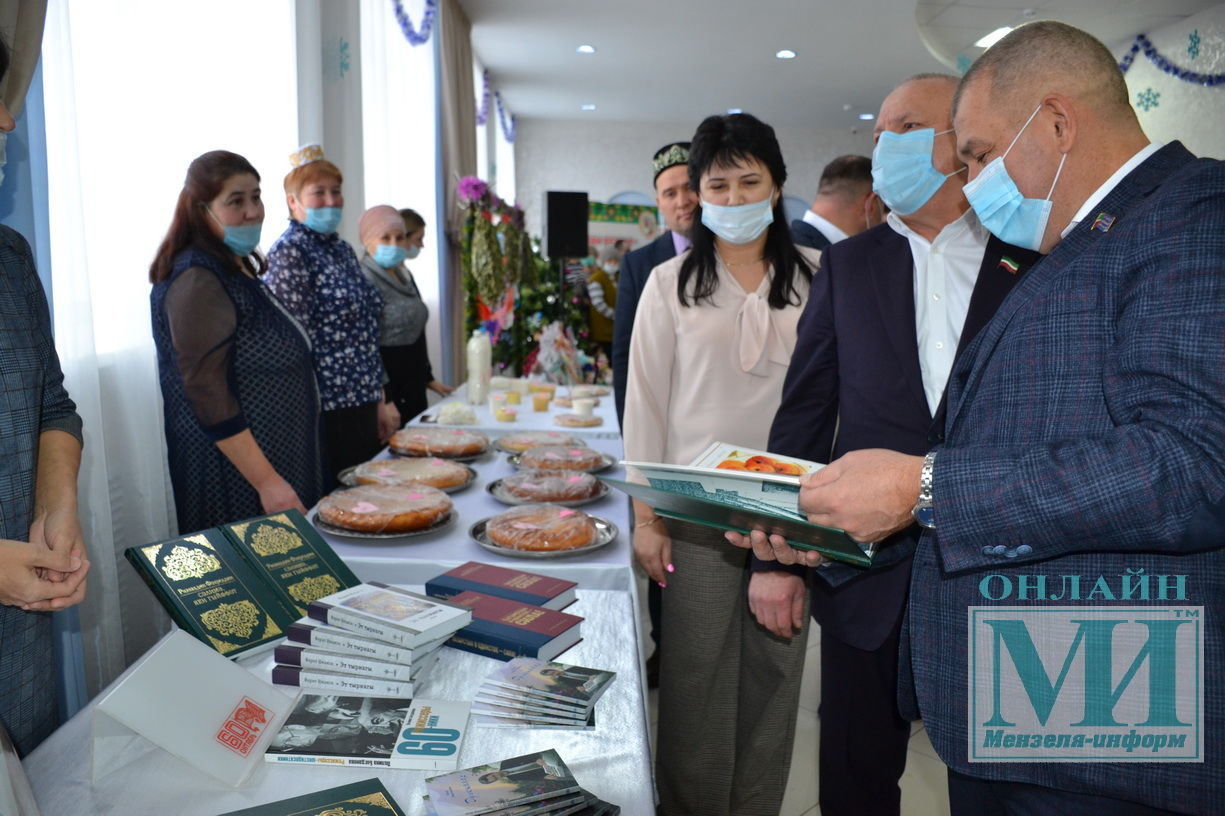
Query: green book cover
[
  {"x": 211, "y": 592},
  {"x": 728, "y": 511},
  {"x": 367, "y": 797},
  {"x": 291, "y": 555}
]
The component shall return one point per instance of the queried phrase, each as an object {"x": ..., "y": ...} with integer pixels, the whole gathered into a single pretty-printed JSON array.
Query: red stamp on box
[{"x": 243, "y": 727}]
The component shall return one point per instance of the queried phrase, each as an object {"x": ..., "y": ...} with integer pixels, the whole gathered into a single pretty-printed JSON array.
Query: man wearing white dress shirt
[
  {"x": 889, "y": 310},
  {"x": 845, "y": 204}
]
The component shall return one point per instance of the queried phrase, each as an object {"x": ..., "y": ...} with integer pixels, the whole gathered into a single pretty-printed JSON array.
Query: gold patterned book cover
[
  {"x": 211, "y": 592},
  {"x": 365, "y": 798},
  {"x": 292, "y": 556}
]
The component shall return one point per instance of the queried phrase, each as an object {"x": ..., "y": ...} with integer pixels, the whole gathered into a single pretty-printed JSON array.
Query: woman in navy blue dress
[{"x": 236, "y": 370}]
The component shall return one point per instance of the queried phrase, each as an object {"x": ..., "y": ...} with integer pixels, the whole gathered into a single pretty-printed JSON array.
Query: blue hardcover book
[{"x": 505, "y": 629}]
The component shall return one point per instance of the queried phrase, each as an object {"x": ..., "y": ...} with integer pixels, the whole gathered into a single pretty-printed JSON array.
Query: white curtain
[{"x": 134, "y": 90}]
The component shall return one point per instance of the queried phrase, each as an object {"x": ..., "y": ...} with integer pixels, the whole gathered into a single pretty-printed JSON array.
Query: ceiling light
[
  {"x": 588, "y": 107},
  {"x": 994, "y": 37},
  {"x": 734, "y": 110},
  {"x": 786, "y": 53},
  {"x": 586, "y": 49},
  {"x": 867, "y": 117}
]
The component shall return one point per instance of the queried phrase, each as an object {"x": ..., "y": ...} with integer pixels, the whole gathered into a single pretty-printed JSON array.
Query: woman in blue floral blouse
[{"x": 316, "y": 275}]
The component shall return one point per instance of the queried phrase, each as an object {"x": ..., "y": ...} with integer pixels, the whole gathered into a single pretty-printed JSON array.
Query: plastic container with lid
[{"x": 480, "y": 366}]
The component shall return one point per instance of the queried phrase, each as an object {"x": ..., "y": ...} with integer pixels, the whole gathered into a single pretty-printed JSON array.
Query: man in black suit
[
  {"x": 677, "y": 204},
  {"x": 845, "y": 204},
  {"x": 889, "y": 308}
]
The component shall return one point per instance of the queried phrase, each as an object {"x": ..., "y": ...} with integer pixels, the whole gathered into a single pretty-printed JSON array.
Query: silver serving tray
[{"x": 605, "y": 533}]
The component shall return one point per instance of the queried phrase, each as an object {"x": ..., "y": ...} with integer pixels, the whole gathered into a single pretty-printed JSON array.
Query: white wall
[
  {"x": 1192, "y": 114},
  {"x": 606, "y": 158}
]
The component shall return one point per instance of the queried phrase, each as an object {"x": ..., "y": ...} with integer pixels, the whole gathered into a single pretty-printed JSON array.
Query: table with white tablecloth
[
  {"x": 612, "y": 761},
  {"x": 414, "y": 560}
]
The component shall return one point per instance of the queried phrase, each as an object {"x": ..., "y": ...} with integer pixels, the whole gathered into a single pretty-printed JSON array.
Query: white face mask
[{"x": 742, "y": 223}]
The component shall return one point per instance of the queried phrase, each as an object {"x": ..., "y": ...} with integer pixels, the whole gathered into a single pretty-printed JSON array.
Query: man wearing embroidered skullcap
[
  {"x": 1083, "y": 462},
  {"x": 677, "y": 203}
]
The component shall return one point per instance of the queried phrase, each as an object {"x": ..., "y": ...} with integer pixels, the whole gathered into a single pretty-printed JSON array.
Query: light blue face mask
[
  {"x": 742, "y": 223},
  {"x": 242, "y": 240},
  {"x": 1002, "y": 209},
  {"x": 413, "y": 251},
  {"x": 323, "y": 220},
  {"x": 389, "y": 256},
  {"x": 902, "y": 171}
]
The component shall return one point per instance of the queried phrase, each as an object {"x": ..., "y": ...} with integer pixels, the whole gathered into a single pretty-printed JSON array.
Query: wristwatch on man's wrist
[{"x": 923, "y": 511}]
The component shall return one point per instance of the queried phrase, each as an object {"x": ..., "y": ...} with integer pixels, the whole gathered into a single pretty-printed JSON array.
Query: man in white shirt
[
  {"x": 845, "y": 204},
  {"x": 888, "y": 311}
]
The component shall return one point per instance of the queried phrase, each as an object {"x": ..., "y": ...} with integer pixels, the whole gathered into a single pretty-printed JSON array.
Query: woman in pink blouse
[{"x": 713, "y": 336}]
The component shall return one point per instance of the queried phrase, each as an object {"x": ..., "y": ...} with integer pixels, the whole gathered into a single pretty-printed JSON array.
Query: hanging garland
[
  {"x": 508, "y": 127},
  {"x": 482, "y": 113},
  {"x": 416, "y": 36},
  {"x": 1142, "y": 43}
]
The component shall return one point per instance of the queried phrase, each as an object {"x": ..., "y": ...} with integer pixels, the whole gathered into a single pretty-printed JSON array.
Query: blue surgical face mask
[
  {"x": 902, "y": 171},
  {"x": 242, "y": 240},
  {"x": 323, "y": 220},
  {"x": 742, "y": 223},
  {"x": 413, "y": 251},
  {"x": 1002, "y": 209},
  {"x": 389, "y": 256}
]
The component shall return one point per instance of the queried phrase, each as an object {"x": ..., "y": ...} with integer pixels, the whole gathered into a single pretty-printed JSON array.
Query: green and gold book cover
[
  {"x": 367, "y": 797},
  {"x": 292, "y": 556},
  {"x": 211, "y": 592}
]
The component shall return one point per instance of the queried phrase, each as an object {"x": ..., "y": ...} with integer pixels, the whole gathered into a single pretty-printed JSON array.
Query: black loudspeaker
[{"x": 565, "y": 224}]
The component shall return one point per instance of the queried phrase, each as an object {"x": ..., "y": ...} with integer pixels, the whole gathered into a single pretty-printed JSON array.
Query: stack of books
[
  {"x": 511, "y": 584},
  {"x": 371, "y": 640},
  {"x": 527, "y": 693},
  {"x": 530, "y": 785}
]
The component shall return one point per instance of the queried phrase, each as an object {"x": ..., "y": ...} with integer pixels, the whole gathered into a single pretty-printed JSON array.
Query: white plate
[
  {"x": 331, "y": 529},
  {"x": 346, "y": 478},
  {"x": 605, "y": 533},
  {"x": 607, "y": 461},
  {"x": 496, "y": 490}
]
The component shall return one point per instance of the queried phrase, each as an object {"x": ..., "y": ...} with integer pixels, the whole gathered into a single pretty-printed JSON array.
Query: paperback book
[
  {"x": 736, "y": 488},
  {"x": 295, "y": 655},
  {"x": 576, "y": 687},
  {"x": 514, "y": 585},
  {"x": 519, "y": 780},
  {"x": 313, "y": 634},
  {"x": 367, "y": 797},
  {"x": 507, "y": 629},
  {"x": 390, "y": 613},
  {"x": 371, "y": 732},
  {"x": 338, "y": 683}
]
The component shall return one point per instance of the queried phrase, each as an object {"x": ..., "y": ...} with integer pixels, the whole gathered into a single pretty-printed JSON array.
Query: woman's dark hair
[
  {"x": 5, "y": 57},
  {"x": 731, "y": 140},
  {"x": 412, "y": 217},
  {"x": 189, "y": 228}
]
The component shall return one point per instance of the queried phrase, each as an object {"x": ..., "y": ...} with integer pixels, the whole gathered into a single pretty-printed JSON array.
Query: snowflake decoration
[
  {"x": 1147, "y": 99},
  {"x": 963, "y": 64},
  {"x": 1193, "y": 43},
  {"x": 344, "y": 57}
]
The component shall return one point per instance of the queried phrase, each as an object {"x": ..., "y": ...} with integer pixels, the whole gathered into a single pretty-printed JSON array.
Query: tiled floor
[{"x": 923, "y": 784}]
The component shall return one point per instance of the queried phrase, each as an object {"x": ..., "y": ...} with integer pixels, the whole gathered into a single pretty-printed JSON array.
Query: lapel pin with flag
[
  {"x": 1009, "y": 265},
  {"x": 1103, "y": 222}
]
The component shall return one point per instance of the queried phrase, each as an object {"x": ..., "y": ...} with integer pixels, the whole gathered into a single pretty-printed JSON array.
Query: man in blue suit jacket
[
  {"x": 1077, "y": 505},
  {"x": 857, "y": 370},
  {"x": 844, "y": 206},
  {"x": 677, "y": 204}
]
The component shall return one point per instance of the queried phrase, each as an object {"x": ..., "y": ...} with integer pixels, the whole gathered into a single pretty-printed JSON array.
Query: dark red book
[
  {"x": 506, "y": 629},
  {"x": 512, "y": 584}
]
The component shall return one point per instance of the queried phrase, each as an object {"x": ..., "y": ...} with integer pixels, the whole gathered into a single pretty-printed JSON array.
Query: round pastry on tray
[
  {"x": 541, "y": 528},
  {"x": 433, "y": 472},
  {"x": 561, "y": 457},
  {"x": 578, "y": 420},
  {"x": 551, "y": 486},
  {"x": 521, "y": 441},
  {"x": 589, "y": 391},
  {"x": 384, "y": 508},
  {"x": 568, "y": 401},
  {"x": 450, "y": 443}
]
